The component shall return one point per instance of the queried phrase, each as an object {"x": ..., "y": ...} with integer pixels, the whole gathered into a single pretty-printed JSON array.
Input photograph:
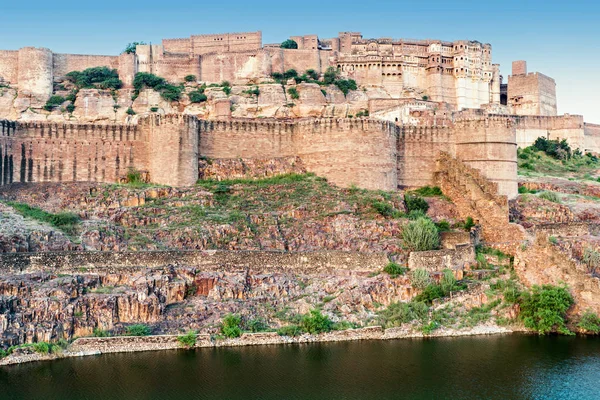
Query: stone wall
[
  {"x": 9, "y": 60},
  {"x": 532, "y": 94},
  {"x": 211, "y": 260},
  {"x": 65, "y": 63},
  {"x": 569, "y": 127},
  {"x": 591, "y": 138},
  {"x": 459, "y": 258},
  {"x": 248, "y": 168}
]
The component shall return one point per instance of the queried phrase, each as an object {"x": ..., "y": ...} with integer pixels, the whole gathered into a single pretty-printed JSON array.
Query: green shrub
[
  {"x": 293, "y": 92},
  {"x": 330, "y": 76},
  {"x": 428, "y": 191},
  {"x": 289, "y": 330},
  {"x": 427, "y": 329},
  {"x": 589, "y": 322},
  {"x": 469, "y": 224},
  {"x": 53, "y": 102},
  {"x": 96, "y": 77},
  {"x": 100, "y": 333},
  {"x": 314, "y": 322},
  {"x": 430, "y": 293},
  {"x": 134, "y": 177},
  {"x": 416, "y": 214},
  {"x": 397, "y": 314},
  {"x": 190, "y": 78},
  {"x": 231, "y": 326},
  {"x": 550, "y": 196},
  {"x": 147, "y": 80},
  {"x": 227, "y": 90},
  {"x": 138, "y": 330},
  {"x": 312, "y": 74},
  {"x": 523, "y": 190},
  {"x": 386, "y": 209},
  {"x": 71, "y": 96},
  {"x": 448, "y": 281},
  {"x": 257, "y": 325},
  {"x": 130, "y": 48},
  {"x": 420, "y": 278},
  {"x": 554, "y": 148},
  {"x": 130, "y": 111},
  {"x": 413, "y": 202},
  {"x": 394, "y": 269},
  {"x": 289, "y": 44},
  {"x": 552, "y": 240},
  {"x": 197, "y": 96},
  {"x": 443, "y": 225},
  {"x": 591, "y": 258},
  {"x": 255, "y": 91},
  {"x": 345, "y": 85},
  {"x": 188, "y": 340},
  {"x": 545, "y": 307},
  {"x": 70, "y": 108},
  {"x": 421, "y": 235},
  {"x": 153, "y": 109}
]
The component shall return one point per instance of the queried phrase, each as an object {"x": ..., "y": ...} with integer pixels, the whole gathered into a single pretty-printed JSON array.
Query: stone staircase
[{"x": 477, "y": 197}]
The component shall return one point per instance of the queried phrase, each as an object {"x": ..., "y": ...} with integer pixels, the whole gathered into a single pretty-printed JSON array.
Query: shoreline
[{"x": 90, "y": 346}]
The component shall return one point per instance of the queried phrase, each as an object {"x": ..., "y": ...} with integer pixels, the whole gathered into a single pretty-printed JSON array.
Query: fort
[{"x": 424, "y": 97}]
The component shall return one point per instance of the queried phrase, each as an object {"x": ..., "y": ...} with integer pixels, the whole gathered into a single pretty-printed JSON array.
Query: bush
[
  {"x": 153, "y": 109},
  {"x": 167, "y": 91},
  {"x": 420, "y": 278},
  {"x": 591, "y": 258},
  {"x": 312, "y": 74},
  {"x": 197, "y": 96},
  {"x": 257, "y": 325},
  {"x": 100, "y": 333},
  {"x": 290, "y": 73},
  {"x": 421, "y": 235},
  {"x": 53, "y": 102},
  {"x": 293, "y": 92},
  {"x": 70, "y": 108},
  {"x": 130, "y": 111},
  {"x": 231, "y": 326},
  {"x": 255, "y": 91},
  {"x": 554, "y": 148},
  {"x": 289, "y": 44},
  {"x": 188, "y": 340},
  {"x": 385, "y": 209},
  {"x": 428, "y": 191},
  {"x": 394, "y": 269},
  {"x": 416, "y": 214},
  {"x": 190, "y": 78},
  {"x": 448, "y": 281},
  {"x": 345, "y": 85},
  {"x": 330, "y": 76},
  {"x": 97, "y": 77},
  {"x": 430, "y": 293},
  {"x": 545, "y": 307},
  {"x": 550, "y": 196},
  {"x": 314, "y": 322},
  {"x": 589, "y": 322},
  {"x": 130, "y": 48},
  {"x": 289, "y": 330},
  {"x": 138, "y": 330},
  {"x": 469, "y": 224},
  {"x": 443, "y": 225},
  {"x": 413, "y": 202},
  {"x": 397, "y": 314}
]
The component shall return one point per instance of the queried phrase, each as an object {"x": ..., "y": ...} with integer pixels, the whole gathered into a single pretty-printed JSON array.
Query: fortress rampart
[{"x": 373, "y": 154}]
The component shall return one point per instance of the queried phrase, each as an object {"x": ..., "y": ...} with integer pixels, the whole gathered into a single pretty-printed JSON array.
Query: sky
[{"x": 560, "y": 39}]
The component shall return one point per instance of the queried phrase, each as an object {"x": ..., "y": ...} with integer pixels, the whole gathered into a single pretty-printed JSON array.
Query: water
[{"x": 498, "y": 367}]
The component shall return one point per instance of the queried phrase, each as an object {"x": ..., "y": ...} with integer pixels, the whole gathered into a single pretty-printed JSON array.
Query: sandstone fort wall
[
  {"x": 9, "y": 60},
  {"x": 592, "y": 137},
  {"x": 65, "y": 63}
]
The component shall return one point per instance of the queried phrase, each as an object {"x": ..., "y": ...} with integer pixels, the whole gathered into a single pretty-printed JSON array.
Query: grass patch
[
  {"x": 188, "y": 340},
  {"x": 138, "y": 330},
  {"x": 65, "y": 221}
]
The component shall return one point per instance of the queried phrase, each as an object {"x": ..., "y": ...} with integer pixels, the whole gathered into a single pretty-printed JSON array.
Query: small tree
[
  {"x": 130, "y": 48},
  {"x": 190, "y": 78},
  {"x": 230, "y": 327},
  {"x": 289, "y": 44}
]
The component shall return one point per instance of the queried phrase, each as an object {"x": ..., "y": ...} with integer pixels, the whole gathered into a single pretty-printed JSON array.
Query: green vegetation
[
  {"x": 290, "y": 330},
  {"x": 255, "y": 91},
  {"x": 153, "y": 109},
  {"x": 188, "y": 340},
  {"x": 65, "y": 221},
  {"x": 545, "y": 307},
  {"x": 190, "y": 78},
  {"x": 420, "y": 278},
  {"x": 397, "y": 314},
  {"x": 257, "y": 325},
  {"x": 394, "y": 269},
  {"x": 314, "y": 322},
  {"x": 362, "y": 113},
  {"x": 38, "y": 347},
  {"x": 231, "y": 326},
  {"x": 554, "y": 158},
  {"x": 413, "y": 202},
  {"x": 387, "y": 210},
  {"x": 95, "y": 78},
  {"x": 591, "y": 258},
  {"x": 130, "y": 48},
  {"x": 469, "y": 224},
  {"x": 428, "y": 191},
  {"x": 130, "y": 111},
  {"x": 167, "y": 91},
  {"x": 552, "y": 240},
  {"x": 421, "y": 235},
  {"x": 443, "y": 225},
  {"x": 53, "y": 102},
  {"x": 289, "y": 44},
  {"x": 197, "y": 96},
  {"x": 100, "y": 333},
  {"x": 138, "y": 330},
  {"x": 332, "y": 77},
  {"x": 70, "y": 108},
  {"x": 434, "y": 291},
  {"x": 550, "y": 196},
  {"x": 589, "y": 322},
  {"x": 293, "y": 92}
]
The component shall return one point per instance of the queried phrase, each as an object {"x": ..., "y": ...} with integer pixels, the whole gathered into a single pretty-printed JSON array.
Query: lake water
[{"x": 493, "y": 367}]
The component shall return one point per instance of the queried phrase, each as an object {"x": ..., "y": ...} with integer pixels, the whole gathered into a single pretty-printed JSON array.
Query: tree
[
  {"x": 289, "y": 44},
  {"x": 130, "y": 49}
]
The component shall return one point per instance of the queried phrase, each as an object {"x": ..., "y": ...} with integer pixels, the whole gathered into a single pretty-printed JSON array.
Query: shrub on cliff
[
  {"x": 293, "y": 92},
  {"x": 394, "y": 269},
  {"x": 190, "y": 78},
  {"x": 346, "y": 85},
  {"x": 197, "y": 96},
  {"x": 289, "y": 44},
  {"x": 231, "y": 326},
  {"x": 314, "y": 322},
  {"x": 421, "y": 235},
  {"x": 589, "y": 323},
  {"x": 289, "y": 330},
  {"x": 420, "y": 278},
  {"x": 545, "y": 307},
  {"x": 138, "y": 330},
  {"x": 413, "y": 202},
  {"x": 330, "y": 76},
  {"x": 386, "y": 209},
  {"x": 428, "y": 191},
  {"x": 146, "y": 80},
  {"x": 397, "y": 314},
  {"x": 188, "y": 340},
  {"x": 97, "y": 77}
]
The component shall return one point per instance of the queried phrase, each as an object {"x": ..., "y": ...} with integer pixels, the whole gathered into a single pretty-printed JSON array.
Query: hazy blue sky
[{"x": 558, "y": 38}]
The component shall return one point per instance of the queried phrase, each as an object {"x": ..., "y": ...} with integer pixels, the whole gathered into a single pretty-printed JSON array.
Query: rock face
[{"x": 51, "y": 306}]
